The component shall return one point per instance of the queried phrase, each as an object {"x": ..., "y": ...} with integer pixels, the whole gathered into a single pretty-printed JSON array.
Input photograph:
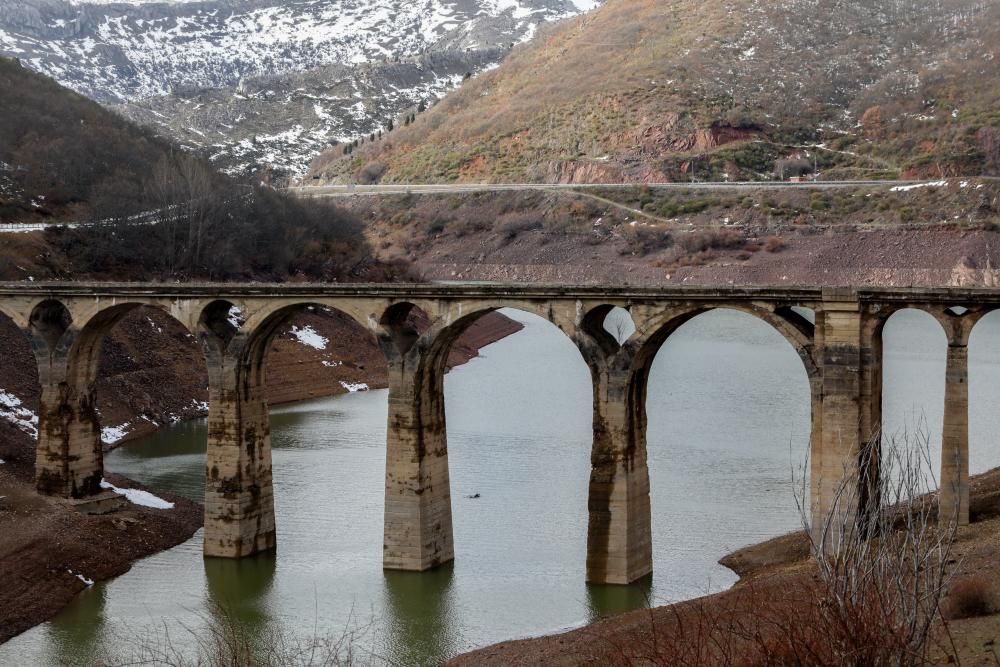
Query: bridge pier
[
  {"x": 69, "y": 460},
  {"x": 418, "y": 525},
  {"x": 842, "y": 466},
  {"x": 239, "y": 497},
  {"x": 953, "y": 498},
  {"x": 619, "y": 529}
]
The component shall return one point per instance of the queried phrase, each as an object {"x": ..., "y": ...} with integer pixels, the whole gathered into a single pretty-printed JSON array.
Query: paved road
[{"x": 450, "y": 188}]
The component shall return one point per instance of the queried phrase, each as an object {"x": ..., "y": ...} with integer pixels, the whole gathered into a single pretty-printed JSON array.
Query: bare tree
[{"x": 882, "y": 574}]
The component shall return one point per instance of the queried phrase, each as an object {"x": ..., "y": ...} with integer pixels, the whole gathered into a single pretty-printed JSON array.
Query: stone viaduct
[{"x": 836, "y": 332}]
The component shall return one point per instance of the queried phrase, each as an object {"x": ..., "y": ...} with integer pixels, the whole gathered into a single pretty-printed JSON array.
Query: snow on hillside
[
  {"x": 115, "y": 52},
  {"x": 219, "y": 76}
]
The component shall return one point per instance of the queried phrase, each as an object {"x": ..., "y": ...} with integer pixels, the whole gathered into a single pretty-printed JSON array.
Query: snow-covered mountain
[
  {"x": 123, "y": 52},
  {"x": 115, "y": 52},
  {"x": 282, "y": 121}
]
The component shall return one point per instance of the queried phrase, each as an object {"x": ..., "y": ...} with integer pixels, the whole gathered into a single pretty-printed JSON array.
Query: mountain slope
[
  {"x": 268, "y": 82},
  {"x": 282, "y": 121},
  {"x": 157, "y": 212},
  {"x": 115, "y": 52},
  {"x": 644, "y": 90}
]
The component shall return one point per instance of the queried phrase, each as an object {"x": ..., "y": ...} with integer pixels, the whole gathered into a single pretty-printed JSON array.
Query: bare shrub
[
  {"x": 969, "y": 598},
  {"x": 227, "y": 642},
  {"x": 775, "y": 244},
  {"x": 371, "y": 173},
  {"x": 642, "y": 240},
  {"x": 882, "y": 569},
  {"x": 722, "y": 239},
  {"x": 513, "y": 224}
]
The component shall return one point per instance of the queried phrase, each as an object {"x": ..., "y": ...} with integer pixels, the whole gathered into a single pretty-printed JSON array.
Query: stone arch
[
  {"x": 260, "y": 328},
  {"x": 654, "y": 332},
  {"x": 593, "y": 325},
  {"x": 876, "y": 319},
  {"x": 436, "y": 342},
  {"x": 48, "y": 322},
  {"x": 219, "y": 322},
  {"x": 884, "y": 406},
  {"x": 70, "y": 449},
  {"x": 84, "y": 353},
  {"x": 984, "y": 364},
  {"x": 796, "y": 330},
  {"x": 400, "y": 327},
  {"x": 18, "y": 317},
  {"x": 793, "y": 327}
]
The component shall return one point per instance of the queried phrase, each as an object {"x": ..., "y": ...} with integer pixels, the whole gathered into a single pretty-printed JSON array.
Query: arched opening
[
  {"x": 519, "y": 436},
  {"x": 136, "y": 370},
  {"x": 728, "y": 409},
  {"x": 984, "y": 394},
  {"x": 914, "y": 354},
  {"x": 304, "y": 361}
]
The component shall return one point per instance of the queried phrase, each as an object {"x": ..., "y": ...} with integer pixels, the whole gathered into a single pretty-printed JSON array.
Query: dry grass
[
  {"x": 971, "y": 597},
  {"x": 647, "y": 90}
]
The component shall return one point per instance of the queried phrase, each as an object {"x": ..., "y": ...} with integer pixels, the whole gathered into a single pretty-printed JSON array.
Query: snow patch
[
  {"x": 308, "y": 337},
  {"x": 353, "y": 387},
  {"x": 917, "y": 186},
  {"x": 112, "y": 434},
  {"x": 235, "y": 317},
  {"x": 139, "y": 497},
  {"x": 14, "y": 412},
  {"x": 85, "y": 580}
]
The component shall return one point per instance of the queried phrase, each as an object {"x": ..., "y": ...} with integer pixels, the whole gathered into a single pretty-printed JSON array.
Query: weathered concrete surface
[{"x": 837, "y": 334}]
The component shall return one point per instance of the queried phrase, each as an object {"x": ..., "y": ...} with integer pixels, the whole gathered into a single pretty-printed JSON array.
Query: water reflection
[
  {"x": 604, "y": 601},
  {"x": 238, "y": 591},
  {"x": 75, "y": 636},
  {"x": 418, "y": 625}
]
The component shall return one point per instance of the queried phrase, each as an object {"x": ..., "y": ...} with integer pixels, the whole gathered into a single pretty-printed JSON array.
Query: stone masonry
[{"x": 836, "y": 332}]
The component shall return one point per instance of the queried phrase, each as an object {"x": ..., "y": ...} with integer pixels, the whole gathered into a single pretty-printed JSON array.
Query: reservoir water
[{"x": 728, "y": 429}]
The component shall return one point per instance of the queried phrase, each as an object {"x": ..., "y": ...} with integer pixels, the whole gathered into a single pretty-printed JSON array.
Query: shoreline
[{"x": 768, "y": 570}]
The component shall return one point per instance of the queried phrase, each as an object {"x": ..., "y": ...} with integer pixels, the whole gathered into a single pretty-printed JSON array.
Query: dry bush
[
  {"x": 371, "y": 173},
  {"x": 877, "y": 590},
  {"x": 721, "y": 239},
  {"x": 774, "y": 244},
  {"x": 970, "y": 598},
  {"x": 642, "y": 240},
  {"x": 226, "y": 641},
  {"x": 513, "y": 224}
]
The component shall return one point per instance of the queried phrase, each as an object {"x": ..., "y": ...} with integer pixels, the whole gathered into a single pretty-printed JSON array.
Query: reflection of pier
[{"x": 836, "y": 333}]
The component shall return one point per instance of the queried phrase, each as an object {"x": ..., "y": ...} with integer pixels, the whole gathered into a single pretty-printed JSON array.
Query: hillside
[
  {"x": 159, "y": 212},
  {"x": 278, "y": 123},
  {"x": 645, "y": 91},
  {"x": 267, "y": 81}
]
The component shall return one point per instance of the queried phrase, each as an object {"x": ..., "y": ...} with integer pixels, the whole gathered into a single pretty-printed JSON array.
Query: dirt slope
[{"x": 648, "y": 91}]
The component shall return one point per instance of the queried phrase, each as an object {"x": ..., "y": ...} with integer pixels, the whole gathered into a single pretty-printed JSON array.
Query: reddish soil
[
  {"x": 881, "y": 257},
  {"x": 46, "y": 542}
]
